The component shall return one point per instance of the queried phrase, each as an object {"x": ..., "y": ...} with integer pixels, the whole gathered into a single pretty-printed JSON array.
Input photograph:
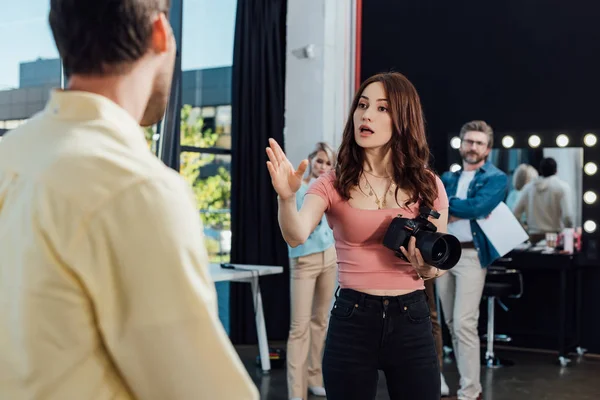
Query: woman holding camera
[
  {"x": 312, "y": 283},
  {"x": 380, "y": 320}
]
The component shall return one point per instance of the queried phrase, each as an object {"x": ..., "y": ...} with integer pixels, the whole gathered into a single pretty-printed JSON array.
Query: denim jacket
[{"x": 487, "y": 189}]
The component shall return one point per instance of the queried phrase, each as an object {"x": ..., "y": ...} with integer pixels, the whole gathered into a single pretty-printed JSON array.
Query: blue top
[
  {"x": 319, "y": 240},
  {"x": 513, "y": 198},
  {"x": 487, "y": 189}
]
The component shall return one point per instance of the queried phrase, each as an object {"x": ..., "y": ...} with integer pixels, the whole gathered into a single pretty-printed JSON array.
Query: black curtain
[
  {"x": 258, "y": 96},
  {"x": 169, "y": 128}
]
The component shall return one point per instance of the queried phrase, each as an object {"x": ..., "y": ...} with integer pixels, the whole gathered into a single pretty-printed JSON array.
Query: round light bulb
[
  {"x": 455, "y": 168},
  {"x": 562, "y": 140},
  {"x": 534, "y": 141},
  {"x": 590, "y": 168},
  {"x": 590, "y": 140},
  {"x": 589, "y": 226},
  {"x": 455, "y": 142},
  {"x": 589, "y": 197},
  {"x": 508, "y": 142}
]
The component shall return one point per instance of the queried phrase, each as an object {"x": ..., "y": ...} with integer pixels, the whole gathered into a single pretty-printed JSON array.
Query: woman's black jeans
[{"x": 370, "y": 333}]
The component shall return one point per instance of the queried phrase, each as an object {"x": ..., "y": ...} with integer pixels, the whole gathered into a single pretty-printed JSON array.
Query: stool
[{"x": 500, "y": 282}]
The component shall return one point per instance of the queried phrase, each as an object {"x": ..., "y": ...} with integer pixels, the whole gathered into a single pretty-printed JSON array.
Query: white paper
[{"x": 503, "y": 229}]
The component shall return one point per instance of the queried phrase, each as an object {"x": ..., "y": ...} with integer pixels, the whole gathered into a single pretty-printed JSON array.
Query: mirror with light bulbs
[
  {"x": 569, "y": 162},
  {"x": 577, "y": 158}
]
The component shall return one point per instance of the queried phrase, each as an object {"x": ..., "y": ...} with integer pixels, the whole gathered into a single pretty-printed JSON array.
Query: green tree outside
[{"x": 212, "y": 193}]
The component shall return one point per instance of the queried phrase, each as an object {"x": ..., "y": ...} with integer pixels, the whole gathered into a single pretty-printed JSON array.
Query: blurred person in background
[
  {"x": 313, "y": 277},
  {"x": 474, "y": 192},
  {"x": 545, "y": 204},
  {"x": 522, "y": 175}
]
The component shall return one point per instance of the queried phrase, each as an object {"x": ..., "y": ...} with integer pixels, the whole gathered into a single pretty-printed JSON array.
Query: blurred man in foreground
[{"x": 104, "y": 286}]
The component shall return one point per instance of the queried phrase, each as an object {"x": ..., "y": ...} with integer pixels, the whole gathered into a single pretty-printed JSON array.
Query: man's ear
[{"x": 161, "y": 34}]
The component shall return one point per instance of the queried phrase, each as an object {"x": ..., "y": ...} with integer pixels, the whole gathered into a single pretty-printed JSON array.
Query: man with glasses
[{"x": 473, "y": 192}]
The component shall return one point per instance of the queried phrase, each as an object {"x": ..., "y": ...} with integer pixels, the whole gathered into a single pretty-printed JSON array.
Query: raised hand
[{"x": 285, "y": 179}]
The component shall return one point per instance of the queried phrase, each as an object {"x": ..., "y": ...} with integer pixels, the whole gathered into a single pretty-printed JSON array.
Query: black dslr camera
[{"x": 438, "y": 249}]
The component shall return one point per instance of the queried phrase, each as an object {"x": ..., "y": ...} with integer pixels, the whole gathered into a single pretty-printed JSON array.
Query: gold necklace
[
  {"x": 380, "y": 204},
  {"x": 376, "y": 176}
]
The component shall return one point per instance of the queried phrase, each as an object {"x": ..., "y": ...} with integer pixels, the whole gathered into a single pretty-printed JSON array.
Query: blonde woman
[
  {"x": 524, "y": 174},
  {"x": 313, "y": 278}
]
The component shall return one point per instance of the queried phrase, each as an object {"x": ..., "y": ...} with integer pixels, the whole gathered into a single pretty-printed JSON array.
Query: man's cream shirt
[{"x": 104, "y": 284}]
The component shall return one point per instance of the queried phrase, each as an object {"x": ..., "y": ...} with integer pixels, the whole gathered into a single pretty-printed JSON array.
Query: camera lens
[{"x": 439, "y": 249}]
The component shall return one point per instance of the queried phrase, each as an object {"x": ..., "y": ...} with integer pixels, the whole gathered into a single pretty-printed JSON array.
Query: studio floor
[{"x": 534, "y": 376}]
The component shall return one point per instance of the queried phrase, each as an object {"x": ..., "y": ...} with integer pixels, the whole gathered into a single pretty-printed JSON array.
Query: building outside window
[
  {"x": 206, "y": 123},
  {"x": 30, "y": 66}
]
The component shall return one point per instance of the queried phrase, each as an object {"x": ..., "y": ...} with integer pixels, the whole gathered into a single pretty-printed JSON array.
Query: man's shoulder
[
  {"x": 448, "y": 177},
  {"x": 492, "y": 171},
  {"x": 92, "y": 170},
  {"x": 560, "y": 185},
  {"x": 121, "y": 176},
  {"x": 164, "y": 188}
]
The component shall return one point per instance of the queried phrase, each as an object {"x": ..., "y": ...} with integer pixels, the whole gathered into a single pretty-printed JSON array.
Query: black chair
[{"x": 500, "y": 283}]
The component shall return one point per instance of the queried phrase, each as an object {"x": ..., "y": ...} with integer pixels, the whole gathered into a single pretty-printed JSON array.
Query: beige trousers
[
  {"x": 312, "y": 285},
  {"x": 460, "y": 291}
]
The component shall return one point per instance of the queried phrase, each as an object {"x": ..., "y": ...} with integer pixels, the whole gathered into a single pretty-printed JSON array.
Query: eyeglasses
[{"x": 470, "y": 143}]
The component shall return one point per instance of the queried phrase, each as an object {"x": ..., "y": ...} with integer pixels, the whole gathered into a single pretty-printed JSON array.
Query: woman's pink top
[{"x": 363, "y": 261}]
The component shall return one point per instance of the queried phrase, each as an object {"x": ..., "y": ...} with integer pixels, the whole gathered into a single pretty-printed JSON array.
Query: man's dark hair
[
  {"x": 548, "y": 167},
  {"x": 102, "y": 36}
]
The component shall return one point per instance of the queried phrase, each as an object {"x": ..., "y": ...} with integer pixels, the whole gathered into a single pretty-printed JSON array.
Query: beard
[
  {"x": 157, "y": 104},
  {"x": 472, "y": 157},
  {"x": 159, "y": 98}
]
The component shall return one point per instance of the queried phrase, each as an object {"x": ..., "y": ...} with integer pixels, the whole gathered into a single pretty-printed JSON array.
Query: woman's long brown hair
[{"x": 409, "y": 148}]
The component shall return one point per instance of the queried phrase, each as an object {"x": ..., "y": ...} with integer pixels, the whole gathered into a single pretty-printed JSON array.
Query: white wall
[{"x": 318, "y": 87}]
